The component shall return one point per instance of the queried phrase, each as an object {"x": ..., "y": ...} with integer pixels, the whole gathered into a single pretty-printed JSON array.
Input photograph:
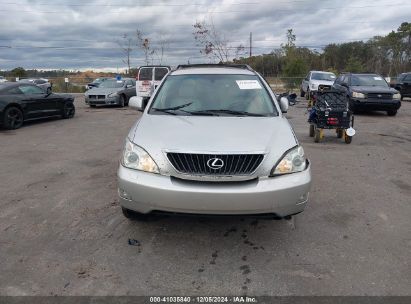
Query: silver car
[
  {"x": 213, "y": 140},
  {"x": 111, "y": 92}
]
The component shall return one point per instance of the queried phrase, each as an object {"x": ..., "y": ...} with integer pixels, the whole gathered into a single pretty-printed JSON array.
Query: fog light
[
  {"x": 303, "y": 198},
  {"x": 124, "y": 194}
]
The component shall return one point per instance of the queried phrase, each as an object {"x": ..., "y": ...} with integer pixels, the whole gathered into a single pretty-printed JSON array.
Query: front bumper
[
  {"x": 106, "y": 101},
  {"x": 375, "y": 105},
  {"x": 281, "y": 195}
]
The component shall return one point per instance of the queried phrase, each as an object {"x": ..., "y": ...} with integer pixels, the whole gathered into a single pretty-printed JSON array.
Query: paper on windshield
[
  {"x": 377, "y": 78},
  {"x": 248, "y": 84}
]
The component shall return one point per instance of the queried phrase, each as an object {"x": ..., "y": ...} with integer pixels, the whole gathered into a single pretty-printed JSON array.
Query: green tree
[
  {"x": 18, "y": 72},
  {"x": 354, "y": 65},
  {"x": 294, "y": 71}
]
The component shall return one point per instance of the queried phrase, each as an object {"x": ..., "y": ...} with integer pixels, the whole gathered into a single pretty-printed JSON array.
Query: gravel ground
[{"x": 62, "y": 231}]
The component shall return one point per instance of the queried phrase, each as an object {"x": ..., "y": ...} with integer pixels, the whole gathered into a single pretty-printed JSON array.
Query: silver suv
[{"x": 213, "y": 140}]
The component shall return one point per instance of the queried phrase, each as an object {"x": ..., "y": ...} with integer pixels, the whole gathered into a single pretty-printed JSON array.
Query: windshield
[
  {"x": 368, "y": 80},
  {"x": 323, "y": 76},
  {"x": 217, "y": 95},
  {"x": 111, "y": 84}
]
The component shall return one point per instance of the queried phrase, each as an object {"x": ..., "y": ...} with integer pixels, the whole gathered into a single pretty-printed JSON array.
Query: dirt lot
[{"x": 62, "y": 231}]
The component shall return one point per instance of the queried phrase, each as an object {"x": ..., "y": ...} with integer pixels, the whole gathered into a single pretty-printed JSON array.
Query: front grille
[
  {"x": 215, "y": 164},
  {"x": 379, "y": 95},
  {"x": 97, "y": 96},
  {"x": 323, "y": 87}
]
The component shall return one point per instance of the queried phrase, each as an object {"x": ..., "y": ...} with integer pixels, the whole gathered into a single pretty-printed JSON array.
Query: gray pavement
[{"x": 62, "y": 231}]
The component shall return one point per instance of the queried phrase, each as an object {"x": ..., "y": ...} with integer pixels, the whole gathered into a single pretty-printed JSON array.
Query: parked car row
[{"x": 366, "y": 92}]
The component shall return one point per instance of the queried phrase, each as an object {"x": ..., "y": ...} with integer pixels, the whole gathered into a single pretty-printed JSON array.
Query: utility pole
[{"x": 251, "y": 43}]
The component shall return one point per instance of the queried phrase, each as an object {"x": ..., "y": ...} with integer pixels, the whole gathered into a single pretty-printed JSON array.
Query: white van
[{"x": 148, "y": 78}]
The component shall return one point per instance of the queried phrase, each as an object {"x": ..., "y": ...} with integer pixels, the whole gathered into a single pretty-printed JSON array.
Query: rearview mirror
[
  {"x": 136, "y": 103},
  {"x": 284, "y": 104}
]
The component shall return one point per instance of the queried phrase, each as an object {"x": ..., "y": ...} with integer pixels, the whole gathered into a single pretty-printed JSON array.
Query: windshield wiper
[
  {"x": 227, "y": 111},
  {"x": 167, "y": 110}
]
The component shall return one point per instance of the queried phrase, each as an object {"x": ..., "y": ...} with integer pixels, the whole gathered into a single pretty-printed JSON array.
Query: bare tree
[
  {"x": 126, "y": 44},
  {"x": 144, "y": 43},
  {"x": 213, "y": 43}
]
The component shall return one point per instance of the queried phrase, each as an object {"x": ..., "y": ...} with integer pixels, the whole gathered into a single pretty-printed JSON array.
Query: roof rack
[{"x": 211, "y": 65}]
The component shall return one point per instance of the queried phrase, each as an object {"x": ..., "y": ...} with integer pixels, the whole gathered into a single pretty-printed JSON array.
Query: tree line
[{"x": 387, "y": 55}]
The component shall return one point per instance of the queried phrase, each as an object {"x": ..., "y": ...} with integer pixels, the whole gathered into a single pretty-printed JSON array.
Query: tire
[
  {"x": 402, "y": 98},
  {"x": 317, "y": 135},
  {"x": 307, "y": 95},
  {"x": 122, "y": 101},
  {"x": 68, "y": 111},
  {"x": 347, "y": 139},
  {"x": 311, "y": 131},
  {"x": 392, "y": 112},
  {"x": 132, "y": 215},
  {"x": 48, "y": 91},
  {"x": 302, "y": 93},
  {"x": 92, "y": 106},
  {"x": 340, "y": 133},
  {"x": 13, "y": 118}
]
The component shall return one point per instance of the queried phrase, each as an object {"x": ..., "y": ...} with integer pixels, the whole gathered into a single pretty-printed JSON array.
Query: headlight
[
  {"x": 293, "y": 161},
  {"x": 112, "y": 94},
  {"x": 137, "y": 158},
  {"x": 313, "y": 86},
  {"x": 358, "y": 95},
  {"x": 396, "y": 96}
]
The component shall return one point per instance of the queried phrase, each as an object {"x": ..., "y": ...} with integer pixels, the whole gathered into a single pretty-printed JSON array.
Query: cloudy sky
[{"x": 78, "y": 34}]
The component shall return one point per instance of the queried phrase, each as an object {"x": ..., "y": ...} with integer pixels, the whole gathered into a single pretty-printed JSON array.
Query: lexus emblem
[{"x": 215, "y": 163}]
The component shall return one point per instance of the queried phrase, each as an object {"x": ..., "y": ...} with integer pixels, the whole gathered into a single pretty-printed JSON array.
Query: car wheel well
[{"x": 14, "y": 105}]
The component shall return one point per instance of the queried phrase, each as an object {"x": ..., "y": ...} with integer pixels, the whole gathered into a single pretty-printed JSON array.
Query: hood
[
  {"x": 373, "y": 89},
  {"x": 204, "y": 134},
  {"x": 102, "y": 91}
]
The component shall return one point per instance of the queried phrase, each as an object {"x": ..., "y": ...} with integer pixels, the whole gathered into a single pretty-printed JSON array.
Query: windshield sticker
[
  {"x": 248, "y": 84},
  {"x": 377, "y": 78}
]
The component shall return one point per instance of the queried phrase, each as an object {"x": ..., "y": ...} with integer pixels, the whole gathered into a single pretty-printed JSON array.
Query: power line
[
  {"x": 229, "y": 11},
  {"x": 128, "y": 5}
]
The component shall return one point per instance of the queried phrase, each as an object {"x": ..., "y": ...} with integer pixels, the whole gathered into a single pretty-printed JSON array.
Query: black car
[
  {"x": 403, "y": 85},
  {"x": 20, "y": 102},
  {"x": 368, "y": 92}
]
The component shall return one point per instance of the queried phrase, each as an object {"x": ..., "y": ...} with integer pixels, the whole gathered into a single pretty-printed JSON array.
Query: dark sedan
[
  {"x": 368, "y": 92},
  {"x": 20, "y": 102}
]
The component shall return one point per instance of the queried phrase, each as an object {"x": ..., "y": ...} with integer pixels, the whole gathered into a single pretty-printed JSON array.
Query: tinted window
[
  {"x": 27, "y": 89},
  {"x": 39, "y": 81},
  {"x": 145, "y": 74},
  {"x": 159, "y": 73},
  {"x": 112, "y": 84},
  {"x": 323, "y": 76},
  {"x": 244, "y": 93},
  {"x": 14, "y": 90},
  {"x": 407, "y": 78},
  {"x": 368, "y": 80}
]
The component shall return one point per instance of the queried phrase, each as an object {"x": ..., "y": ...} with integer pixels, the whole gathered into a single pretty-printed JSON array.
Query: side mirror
[
  {"x": 136, "y": 103},
  {"x": 284, "y": 104},
  {"x": 344, "y": 84}
]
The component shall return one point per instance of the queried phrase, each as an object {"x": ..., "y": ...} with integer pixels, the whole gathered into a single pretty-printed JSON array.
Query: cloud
[{"x": 80, "y": 35}]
